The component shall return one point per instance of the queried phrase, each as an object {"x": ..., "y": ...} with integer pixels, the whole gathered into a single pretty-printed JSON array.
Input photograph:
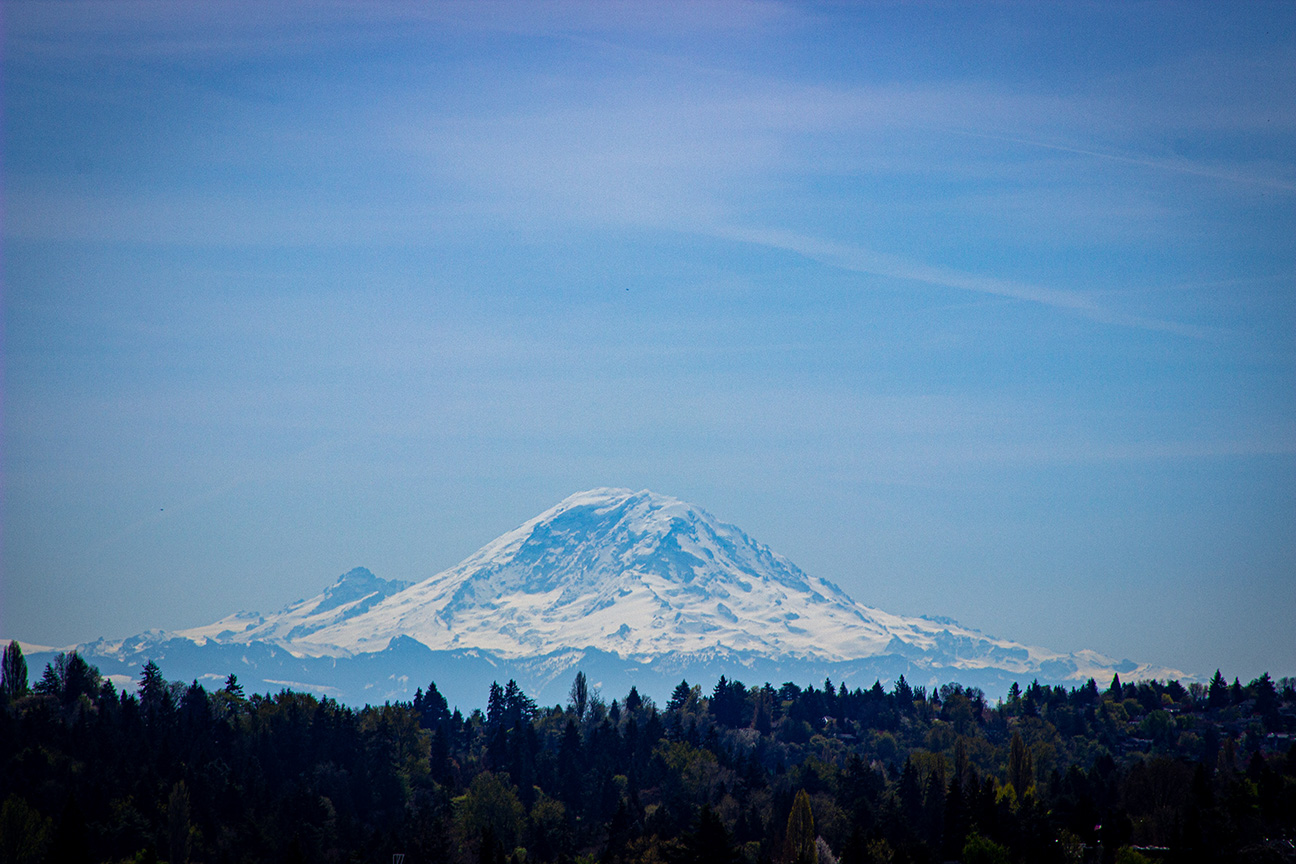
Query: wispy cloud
[
  {"x": 861, "y": 260},
  {"x": 229, "y": 30},
  {"x": 694, "y": 148},
  {"x": 1182, "y": 166}
]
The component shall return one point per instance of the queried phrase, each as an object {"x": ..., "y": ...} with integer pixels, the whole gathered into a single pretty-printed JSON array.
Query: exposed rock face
[{"x": 634, "y": 583}]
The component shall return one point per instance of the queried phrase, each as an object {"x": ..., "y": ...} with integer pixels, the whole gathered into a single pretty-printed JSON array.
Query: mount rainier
[{"x": 631, "y": 587}]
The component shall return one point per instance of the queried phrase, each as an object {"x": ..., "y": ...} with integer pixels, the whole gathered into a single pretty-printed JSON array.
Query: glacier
[{"x": 630, "y": 587}]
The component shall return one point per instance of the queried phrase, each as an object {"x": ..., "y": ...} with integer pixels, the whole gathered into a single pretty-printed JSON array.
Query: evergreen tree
[
  {"x": 955, "y": 817},
  {"x": 79, "y": 677},
  {"x": 727, "y": 702},
  {"x": 960, "y": 762},
  {"x": 910, "y": 795},
  {"x": 569, "y": 766},
  {"x": 68, "y": 677},
  {"x": 762, "y": 721},
  {"x": 49, "y": 684},
  {"x": 934, "y": 804},
  {"x": 432, "y": 707},
  {"x": 178, "y": 824},
  {"x": 232, "y": 687},
  {"x": 680, "y": 697},
  {"x": 195, "y": 708},
  {"x": 301, "y": 778},
  {"x": 154, "y": 695},
  {"x": 904, "y": 694},
  {"x": 578, "y": 698},
  {"x": 709, "y": 842},
  {"x": 1021, "y": 772},
  {"x": 13, "y": 673},
  {"x": 1266, "y": 701},
  {"x": 1217, "y": 695},
  {"x": 633, "y": 700},
  {"x": 518, "y": 707},
  {"x": 495, "y": 705}
]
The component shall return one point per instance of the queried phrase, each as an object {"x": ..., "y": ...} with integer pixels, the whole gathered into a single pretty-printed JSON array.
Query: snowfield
[{"x": 640, "y": 576}]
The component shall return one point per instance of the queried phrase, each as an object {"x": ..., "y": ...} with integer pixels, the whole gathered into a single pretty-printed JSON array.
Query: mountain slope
[
  {"x": 354, "y": 593},
  {"x": 646, "y": 576},
  {"x": 641, "y": 586},
  {"x": 636, "y": 574}
]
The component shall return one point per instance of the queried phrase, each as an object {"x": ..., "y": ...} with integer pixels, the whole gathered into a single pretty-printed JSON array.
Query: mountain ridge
[{"x": 636, "y": 582}]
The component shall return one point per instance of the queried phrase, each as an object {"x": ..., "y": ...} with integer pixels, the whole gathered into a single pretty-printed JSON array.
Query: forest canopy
[{"x": 823, "y": 774}]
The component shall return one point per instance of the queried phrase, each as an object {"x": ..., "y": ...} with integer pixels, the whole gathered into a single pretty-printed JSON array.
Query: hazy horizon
[{"x": 979, "y": 312}]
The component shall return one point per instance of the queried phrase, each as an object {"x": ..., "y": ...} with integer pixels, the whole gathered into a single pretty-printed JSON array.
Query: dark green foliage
[
  {"x": 729, "y": 703},
  {"x": 154, "y": 695},
  {"x": 979, "y": 850},
  {"x": 709, "y": 842},
  {"x": 68, "y": 678},
  {"x": 232, "y": 687},
  {"x": 13, "y": 673},
  {"x": 747, "y": 774},
  {"x": 1219, "y": 695},
  {"x": 680, "y": 697},
  {"x": 579, "y": 698},
  {"x": 799, "y": 843}
]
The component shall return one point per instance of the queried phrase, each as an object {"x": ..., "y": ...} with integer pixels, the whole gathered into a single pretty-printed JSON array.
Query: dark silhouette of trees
[
  {"x": 1218, "y": 692},
  {"x": 752, "y": 774},
  {"x": 680, "y": 697},
  {"x": 13, "y": 673},
  {"x": 579, "y": 697}
]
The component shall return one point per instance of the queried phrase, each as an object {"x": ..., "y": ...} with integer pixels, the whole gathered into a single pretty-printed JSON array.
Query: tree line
[{"x": 735, "y": 774}]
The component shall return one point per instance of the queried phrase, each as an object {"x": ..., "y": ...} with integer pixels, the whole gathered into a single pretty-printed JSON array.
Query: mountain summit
[
  {"x": 642, "y": 576},
  {"x": 632, "y": 573},
  {"x": 642, "y": 586}
]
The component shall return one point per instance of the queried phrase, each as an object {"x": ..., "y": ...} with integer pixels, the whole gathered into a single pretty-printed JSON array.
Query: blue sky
[{"x": 979, "y": 310}]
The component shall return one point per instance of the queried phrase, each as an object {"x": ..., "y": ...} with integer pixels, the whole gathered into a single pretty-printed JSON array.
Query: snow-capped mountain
[
  {"x": 642, "y": 576},
  {"x": 635, "y": 574},
  {"x": 354, "y": 593},
  {"x": 638, "y": 585}
]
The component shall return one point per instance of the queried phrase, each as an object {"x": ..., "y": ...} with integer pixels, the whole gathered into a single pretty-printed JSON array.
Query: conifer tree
[
  {"x": 232, "y": 687},
  {"x": 154, "y": 695},
  {"x": 904, "y": 694},
  {"x": 1266, "y": 701},
  {"x": 1021, "y": 771},
  {"x": 13, "y": 673},
  {"x": 633, "y": 700},
  {"x": 727, "y": 702},
  {"x": 761, "y": 719},
  {"x": 934, "y": 803},
  {"x": 1217, "y": 696},
  {"x": 495, "y": 705},
  {"x": 578, "y": 698},
  {"x": 68, "y": 676},
  {"x": 709, "y": 841},
  {"x": 680, "y": 697},
  {"x": 569, "y": 765},
  {"x": 178, "y": 823},
  {"x": 960, "y": 762},
  {"x": 432, "y": 707},
  {"x": 49, "y": 684}
]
